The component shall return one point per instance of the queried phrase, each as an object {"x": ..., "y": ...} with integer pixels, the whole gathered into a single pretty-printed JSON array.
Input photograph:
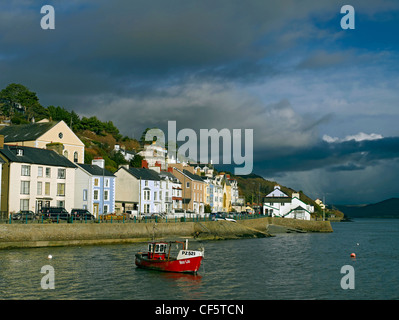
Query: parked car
[
  {"x": 23, "y": 215},
  {"x": 55, "y": 213},
  {"x": 82, "y": 214}
]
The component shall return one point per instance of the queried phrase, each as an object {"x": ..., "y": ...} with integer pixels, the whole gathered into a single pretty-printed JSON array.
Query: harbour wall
[{"x": 47, "y": 235}]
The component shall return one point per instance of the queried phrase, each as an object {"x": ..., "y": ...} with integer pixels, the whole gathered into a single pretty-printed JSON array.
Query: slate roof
[
  {"x": 192, "y": 176},
  {"x": 144, "y": 174},
  {"x": 36, "y": 156},
  {"x": 169, "y": 174},
  {"x": 277, "y": 199},
  {"x": 95, "y": 170},
  {"x": 26, "y": 132}
]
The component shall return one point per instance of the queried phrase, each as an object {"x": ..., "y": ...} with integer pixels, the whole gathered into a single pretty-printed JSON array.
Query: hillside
[{"x": 385, "y": 209}]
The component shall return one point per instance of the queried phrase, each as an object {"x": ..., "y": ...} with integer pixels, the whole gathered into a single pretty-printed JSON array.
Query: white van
[{"x": 131, "y": 214}]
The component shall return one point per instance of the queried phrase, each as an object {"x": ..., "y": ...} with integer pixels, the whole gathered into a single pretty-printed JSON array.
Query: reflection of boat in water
[{"x": 159, "y": 257}]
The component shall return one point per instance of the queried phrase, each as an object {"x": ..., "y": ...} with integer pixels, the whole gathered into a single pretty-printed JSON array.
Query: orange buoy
[{"x": 353, "y": 255}]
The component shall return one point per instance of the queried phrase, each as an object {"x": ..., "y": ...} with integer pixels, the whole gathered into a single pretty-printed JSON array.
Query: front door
[{"x": 95, "y": 210}]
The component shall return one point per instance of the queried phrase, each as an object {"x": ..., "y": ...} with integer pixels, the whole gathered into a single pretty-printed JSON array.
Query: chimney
[
  {"x": 295, "y": 195},
  {"x": 98, "y": 162},
  {"x": 144, "y": 164},
  {"x": 55, "y": 146},
  {"x": 1, "y": 141}
]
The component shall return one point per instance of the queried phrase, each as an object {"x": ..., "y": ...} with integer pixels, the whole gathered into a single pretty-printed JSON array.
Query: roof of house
[
  {"x": 144, "y": 174},
  {"x": 35, "y": 156},
  {"x": 169, "y": 175},
  {"x": 277, "y": 199},
  {"x": 192, "y": 176},
  {"x": 26, "y": 132},
  {"x": 95, "y": 170}
]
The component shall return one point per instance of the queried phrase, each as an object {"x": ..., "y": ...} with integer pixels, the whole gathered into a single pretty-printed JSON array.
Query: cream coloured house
[{"x": 39, "y": 134}]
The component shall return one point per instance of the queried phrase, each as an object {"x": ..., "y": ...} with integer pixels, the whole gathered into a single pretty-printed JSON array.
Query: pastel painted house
[
  {"x": 95, "y": 188},
  {"x": 40, "y": 134},
  {"x": 138, "y": 189},
  {"x": 33, "y": 178},
  {"x": 279, "y": 204}
]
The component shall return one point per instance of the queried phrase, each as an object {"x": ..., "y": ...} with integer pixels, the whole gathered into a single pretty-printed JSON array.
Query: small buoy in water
[
  {"x": 357, "y": 243},
  {"x": 49, "y": 256},
  {"x": 353, "y": 255}
]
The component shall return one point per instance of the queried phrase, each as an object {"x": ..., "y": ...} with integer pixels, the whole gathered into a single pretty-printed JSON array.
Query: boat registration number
[{"x": 188, "y": 253}]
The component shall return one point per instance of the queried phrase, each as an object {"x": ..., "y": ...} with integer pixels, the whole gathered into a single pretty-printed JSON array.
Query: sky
[{"x": 322, "y": 101}]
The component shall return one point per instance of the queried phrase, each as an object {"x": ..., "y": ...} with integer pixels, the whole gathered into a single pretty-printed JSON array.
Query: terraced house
[
  {"x": 33, "y": 178},
  {"x": 138, "y": 189},
  {"x": 95, "y": 188}
]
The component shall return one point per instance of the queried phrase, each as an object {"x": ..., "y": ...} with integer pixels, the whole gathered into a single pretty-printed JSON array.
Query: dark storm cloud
[{"x": 337, "y": 156}]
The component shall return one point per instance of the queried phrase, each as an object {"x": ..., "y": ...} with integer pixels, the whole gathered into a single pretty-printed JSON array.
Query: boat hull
[{"x": 186, "y": 265}]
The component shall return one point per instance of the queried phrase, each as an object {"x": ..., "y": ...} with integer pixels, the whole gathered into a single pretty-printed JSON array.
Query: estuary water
[{"x": 287, "y": 266}]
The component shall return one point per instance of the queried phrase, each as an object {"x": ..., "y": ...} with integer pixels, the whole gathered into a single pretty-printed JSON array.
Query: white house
[
  {"x": 171, "y": 193},
  {"x": 155, "y": 155},
  {"x": 33, "y": 178},
  {"x": 127, "y": 154},
  {"x": 278, "y": 204}
]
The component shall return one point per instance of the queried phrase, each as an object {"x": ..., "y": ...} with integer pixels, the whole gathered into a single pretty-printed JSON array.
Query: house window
[
  {"x": 24, "y": 204},
  {"x": 146, "y": 194},
  {"x": 95, "y": 195},
  {"x": 146, "y": 208},
  {"x": 47, "y": 188},
  {"x": 187, "y": 184},
  {"x": 25, "y": 170},
  {"x": 105, "y": 209},
  {"x": 106, "y": 195},
  {"x": 60, "y": 189},
  {"x": 48, "y": 172},
  {"x": 146, "y": 183},
  {"x": 39, "y": 187},
  {"x": 155, "y": 195},
  {"x": 96, "y": 182},
  {"x": 25, "y": 186},
  {"x": 61, "y": 174},
  {"x": 106, "y": 183},
  {"x": 75, "y": 157},
  {"x": 85, "y": 195},
  {"x": 20, "y": 152},
  {"x": 40, "y": 171}
]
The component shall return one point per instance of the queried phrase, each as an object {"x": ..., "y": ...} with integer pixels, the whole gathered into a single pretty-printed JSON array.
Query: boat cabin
[{"x": 157, "y": 250}]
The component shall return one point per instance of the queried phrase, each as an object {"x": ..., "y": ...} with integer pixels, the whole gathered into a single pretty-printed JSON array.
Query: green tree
[
  {"x": 136, "y": 161},
  {"x": 15, "y": 95}
]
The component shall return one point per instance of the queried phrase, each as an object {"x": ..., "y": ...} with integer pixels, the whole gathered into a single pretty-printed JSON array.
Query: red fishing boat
[{"x": 160, "y": 256}]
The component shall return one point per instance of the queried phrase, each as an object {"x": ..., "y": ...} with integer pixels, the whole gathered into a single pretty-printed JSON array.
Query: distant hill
[{"x": 384, "y": 209}]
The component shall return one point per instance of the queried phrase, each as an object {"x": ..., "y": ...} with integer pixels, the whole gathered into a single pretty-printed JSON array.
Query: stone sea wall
[{"x": 44, "y": 235}]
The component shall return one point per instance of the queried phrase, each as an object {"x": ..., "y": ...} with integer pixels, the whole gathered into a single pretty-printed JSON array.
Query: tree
[
  {"x": 136, "y": 161},
  {"x": 16, "y": 98}
]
